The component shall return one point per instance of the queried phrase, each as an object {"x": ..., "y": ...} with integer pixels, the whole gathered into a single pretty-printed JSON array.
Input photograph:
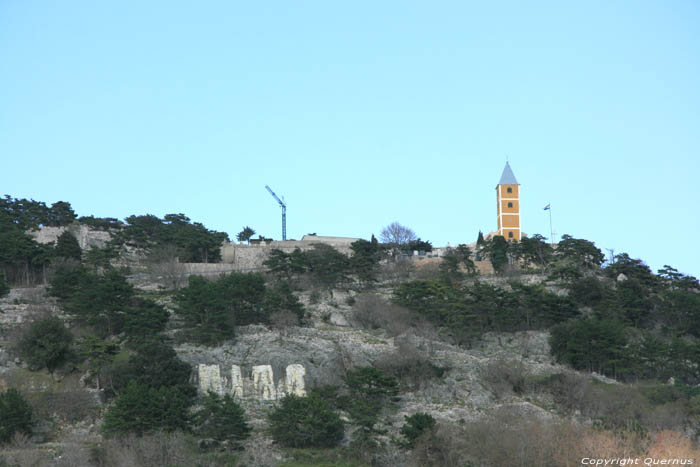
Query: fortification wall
[
  {"x": 86, "y": 237},
  {"x": 252, "y": 256}
]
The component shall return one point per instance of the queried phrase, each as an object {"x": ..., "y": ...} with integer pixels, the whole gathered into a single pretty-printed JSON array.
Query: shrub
[
  {"x": 416, "y": 425},
  {"x": 46, "y": 344},
  {"x": 15, "y": 415},
  {"x": 154, "y": 365},
  {"x": 505, "y": 378},
  {"x": 70, "y": 406},
  {"x": 305, "y": 422},
  {"x": 153, "y": 449},
  {"x": 371, "y": 311},
  {"x": 411, "y": 367},
  {"x": 4, "y": 288},
  {"x": 221, "y": 418},
  {"x": 141, "y": 409}
]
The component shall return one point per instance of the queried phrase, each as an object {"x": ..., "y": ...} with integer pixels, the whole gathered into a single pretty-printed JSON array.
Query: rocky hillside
[{"x": 110, "y": 357}]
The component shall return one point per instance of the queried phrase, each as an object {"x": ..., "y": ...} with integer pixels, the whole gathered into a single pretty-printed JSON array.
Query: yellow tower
[{"x": 508, "y": 195}]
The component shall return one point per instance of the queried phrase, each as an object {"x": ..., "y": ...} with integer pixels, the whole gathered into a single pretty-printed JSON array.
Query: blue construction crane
[{"x": 284, "y": 212}]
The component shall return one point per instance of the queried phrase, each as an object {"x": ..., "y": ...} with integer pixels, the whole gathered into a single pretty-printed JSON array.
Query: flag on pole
[{"x": 547, "y": 207}]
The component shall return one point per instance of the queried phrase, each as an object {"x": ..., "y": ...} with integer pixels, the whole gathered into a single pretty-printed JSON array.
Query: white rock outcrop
[
  {"x": 294, "y": 382},
  {"x": 236, "y": 381},
  {"x": 210, "y": 379},
  {"x": 264, "y": 382},
  {"x": 260, "y": 384}
]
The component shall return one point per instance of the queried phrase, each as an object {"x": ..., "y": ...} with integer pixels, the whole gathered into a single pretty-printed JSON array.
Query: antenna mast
[{"x": 284, "y": 212}]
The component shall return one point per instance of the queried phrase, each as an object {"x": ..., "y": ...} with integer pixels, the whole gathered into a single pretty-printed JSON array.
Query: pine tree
[
  {"x": 67, "y": 247},
  {"x": 15, "y": 414}
]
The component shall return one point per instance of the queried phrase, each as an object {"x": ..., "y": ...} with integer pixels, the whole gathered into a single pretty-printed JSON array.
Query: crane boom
[
  {"x": 284, "y": 212},
  {"x": 275, "y": 196}
]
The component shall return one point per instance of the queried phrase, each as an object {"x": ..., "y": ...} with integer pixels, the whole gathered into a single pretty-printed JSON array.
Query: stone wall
[
  {"x": 261, "y": 384},
  {"x": 86, "y": 237},
  {"x": 252, "y": 256}
]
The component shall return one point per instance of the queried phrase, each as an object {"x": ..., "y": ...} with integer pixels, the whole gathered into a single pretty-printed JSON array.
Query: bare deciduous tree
[{"x": 397, "y": 234}]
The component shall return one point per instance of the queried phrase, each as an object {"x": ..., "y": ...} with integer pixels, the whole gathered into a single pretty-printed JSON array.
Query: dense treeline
[
  {"x": 192, "y": 241},
  {"x": 621, "y": 320},
  {"x": 25, "y": 261},
  {"x": 326, "y": 266},
  {"x": 468, "y": 310},
  {"x": 638, "y": 325},
  {"x": 211, "y": 309}
]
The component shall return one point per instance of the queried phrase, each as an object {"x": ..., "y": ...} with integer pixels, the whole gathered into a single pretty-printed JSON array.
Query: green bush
[
  {"x": 415, "y": 426},
  {"x": 154, "y": 365},
  {"x": 221, "y": 418},
  {"x": 46, "y": 344},
  {"x": 305, "y": 422},
  {"x": 4, "y": 288},
  {"x": 142, "y": 409},
  {"x": 15, "y": 415}
]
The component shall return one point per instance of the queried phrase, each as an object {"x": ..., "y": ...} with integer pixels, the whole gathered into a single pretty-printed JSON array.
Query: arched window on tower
[
  {"x": 509, "y": 190},
  {"x": 510, "y": 205},
  {"x": 510, "y": 234}
]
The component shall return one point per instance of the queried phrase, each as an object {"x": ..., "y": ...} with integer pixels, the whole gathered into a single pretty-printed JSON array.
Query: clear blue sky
[{"x": 362, "y": 113}]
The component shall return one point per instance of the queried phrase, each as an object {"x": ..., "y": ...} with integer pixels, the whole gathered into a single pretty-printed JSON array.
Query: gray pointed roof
[{"x": 507, "y": 177}]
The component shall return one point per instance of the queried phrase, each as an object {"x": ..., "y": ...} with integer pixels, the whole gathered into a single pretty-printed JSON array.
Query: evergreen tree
[
  {"x": 415, "y": 426},
  {"x": 61, "y": 213},
  {"x": 46, "y": 344},
  {"x": 301, "y": 422},
  {"x": 4, "y": 287},
  {"x": 370, "y": 391},
  {"x": 221, "y": 418},
  {"x": 245, "y": 234},
  {"x": 142, "y": 409},
  {"x": 498, "y": 252},
  {"x": 154, "y": 364},
  {"x": 67, "y": 247},
  {"x": 15, "y": 415}
]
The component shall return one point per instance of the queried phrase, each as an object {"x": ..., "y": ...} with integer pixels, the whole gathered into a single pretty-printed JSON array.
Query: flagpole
[{"x": 551, "y": 230}]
